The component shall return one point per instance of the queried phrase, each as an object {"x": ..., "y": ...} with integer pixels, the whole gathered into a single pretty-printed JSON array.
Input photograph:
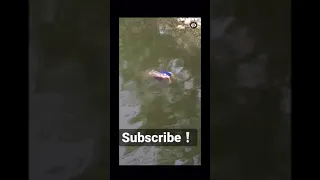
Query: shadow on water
[{"x": 147, "y": 44}]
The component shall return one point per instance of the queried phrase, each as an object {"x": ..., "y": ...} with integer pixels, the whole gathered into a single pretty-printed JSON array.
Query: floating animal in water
[{"x": 160, "y": 76}]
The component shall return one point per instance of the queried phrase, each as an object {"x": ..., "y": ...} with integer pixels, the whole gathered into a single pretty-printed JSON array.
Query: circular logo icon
[{"x": 193, "y": 25}]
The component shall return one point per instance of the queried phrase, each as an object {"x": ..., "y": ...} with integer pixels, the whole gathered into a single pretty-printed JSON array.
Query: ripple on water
[
  {"x": 120, "y": 82},
  {"x": 144, "y": 155},
  {"x": 129, "y": 108}
]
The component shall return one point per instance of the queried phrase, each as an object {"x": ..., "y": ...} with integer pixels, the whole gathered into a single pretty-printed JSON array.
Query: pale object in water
[
  {"x": 180, "y": 27},
  {"x": 163, "y": 78}
]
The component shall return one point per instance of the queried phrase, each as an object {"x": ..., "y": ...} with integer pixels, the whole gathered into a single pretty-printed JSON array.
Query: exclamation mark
[{"x": 187, "y": 136}]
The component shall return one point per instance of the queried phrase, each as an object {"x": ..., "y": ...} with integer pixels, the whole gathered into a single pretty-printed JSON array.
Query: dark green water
[{"x": 151, "y": 44}]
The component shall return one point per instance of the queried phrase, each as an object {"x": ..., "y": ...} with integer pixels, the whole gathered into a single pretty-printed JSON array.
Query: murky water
[{"x": 157, "y": 44}]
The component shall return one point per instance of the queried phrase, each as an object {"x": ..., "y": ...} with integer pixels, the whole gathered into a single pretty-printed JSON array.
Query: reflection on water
[{"x": 147, "y": 44}]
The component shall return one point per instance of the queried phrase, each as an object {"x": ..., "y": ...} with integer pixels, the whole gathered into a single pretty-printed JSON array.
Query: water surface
[{"x": 158, "y": 44}]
